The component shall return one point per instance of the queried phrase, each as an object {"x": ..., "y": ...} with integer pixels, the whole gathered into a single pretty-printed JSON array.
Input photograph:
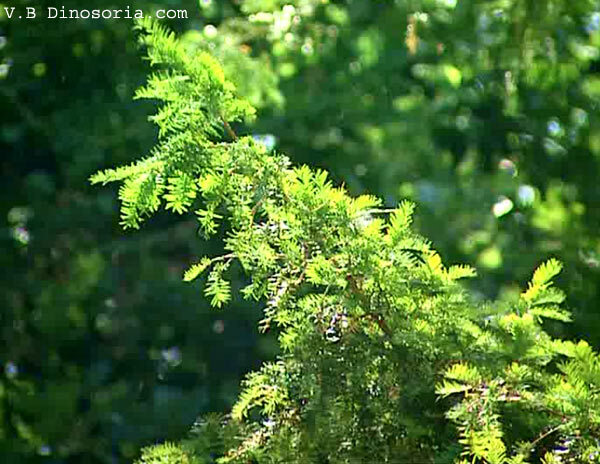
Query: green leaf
[
  {"x": 217, "y": 288},
  {"x": 542, "y": 278},
  {"x": 195, "y": 270}
]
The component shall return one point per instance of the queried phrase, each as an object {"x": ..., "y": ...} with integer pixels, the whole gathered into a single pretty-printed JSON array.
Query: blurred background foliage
[
  {"x": 104, "y": 348},
  {"x": 483, "y": 112}
]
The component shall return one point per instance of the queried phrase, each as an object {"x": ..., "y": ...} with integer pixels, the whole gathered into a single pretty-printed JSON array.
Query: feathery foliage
[{"x": 385, "y": 356}]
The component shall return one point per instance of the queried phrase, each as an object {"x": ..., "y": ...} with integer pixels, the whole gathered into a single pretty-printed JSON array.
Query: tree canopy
[{"x": 382, "y": 349}]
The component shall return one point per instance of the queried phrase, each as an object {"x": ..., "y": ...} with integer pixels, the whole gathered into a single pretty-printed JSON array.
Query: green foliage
[
  {"x": 166, "y": 453},
  {"x": 198, "y": 100},
  {"x": 382, "y": 348},
  {"x": 484, "y": 113}
]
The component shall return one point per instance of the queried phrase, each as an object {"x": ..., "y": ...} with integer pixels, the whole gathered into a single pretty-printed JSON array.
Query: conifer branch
[{"x": 309, "y": 228}]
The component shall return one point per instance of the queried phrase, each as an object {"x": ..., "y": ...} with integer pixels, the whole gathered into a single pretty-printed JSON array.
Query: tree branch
[{"x": 228, "y": 129}]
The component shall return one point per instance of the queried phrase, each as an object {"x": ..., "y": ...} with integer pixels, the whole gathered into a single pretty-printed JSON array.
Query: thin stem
[
  {"x": 228, "y": 129},
  {"x": 227, "y": 257},
  {"x": 382, "y": 210},
  {"x": 544, "y": 435}
]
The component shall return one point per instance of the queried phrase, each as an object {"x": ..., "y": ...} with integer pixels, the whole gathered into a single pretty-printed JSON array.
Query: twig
[
  {"x": 228, "y": 129},
  {"x": 544, "y": 435},
  {"x": 382, "y": 210},
  {"x": 377, "y": 318},
  {"x": 228, "y": 257}
]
